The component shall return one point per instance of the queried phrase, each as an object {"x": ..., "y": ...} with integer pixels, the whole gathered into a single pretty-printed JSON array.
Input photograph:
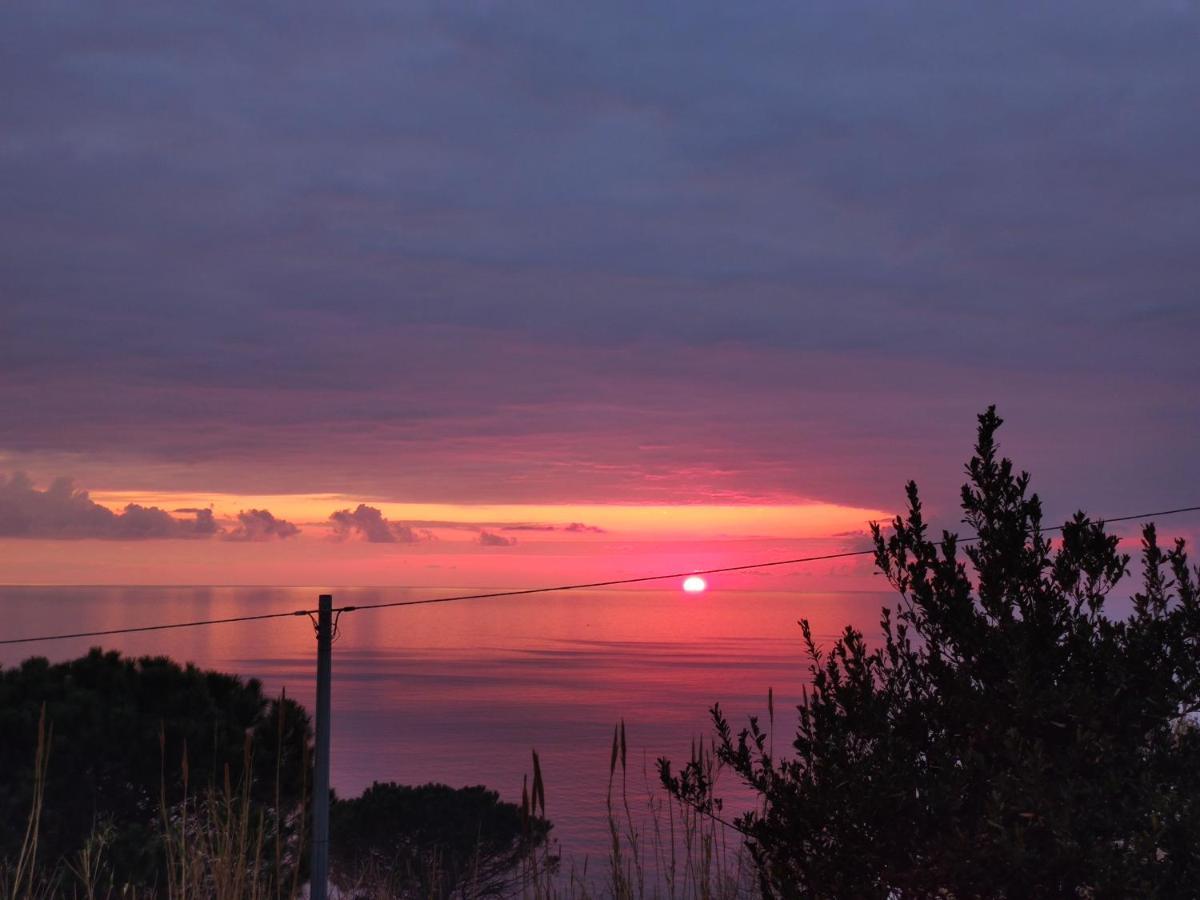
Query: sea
[{"x": 463, "y": 693}]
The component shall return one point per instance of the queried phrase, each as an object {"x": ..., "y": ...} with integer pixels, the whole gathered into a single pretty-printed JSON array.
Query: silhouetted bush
[
  {"x": 1005, "y": 738},
  {"x": 120, "y": 729},
  {"x": 431, "y": 841}
]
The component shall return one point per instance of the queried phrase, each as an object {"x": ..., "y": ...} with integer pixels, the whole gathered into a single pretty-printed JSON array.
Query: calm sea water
[{"x": 461, "y": 693}]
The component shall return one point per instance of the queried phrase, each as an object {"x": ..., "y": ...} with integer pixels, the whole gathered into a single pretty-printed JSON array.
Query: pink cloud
[
  {"x": 66, "y": 513},
  {"x": 260, "y": 525},
  {"x": 369, "y": 524},
  {"x": 487, "y": 539}
]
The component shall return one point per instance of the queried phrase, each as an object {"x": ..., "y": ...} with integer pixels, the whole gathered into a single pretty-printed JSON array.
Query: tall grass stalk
[
  {"x": 664, "y": 850},
  {"x": 22, "y": 882},
  {"x": 539, "y": 865}
]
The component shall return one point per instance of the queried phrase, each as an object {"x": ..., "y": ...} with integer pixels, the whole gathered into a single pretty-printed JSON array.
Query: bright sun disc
[{"x": 694, "y": 584}]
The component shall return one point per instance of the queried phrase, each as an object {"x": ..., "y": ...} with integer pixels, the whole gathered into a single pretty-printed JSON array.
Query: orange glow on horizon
[
  {"x": 542, "y": 544},
  {"x": 791, "y": 518}
]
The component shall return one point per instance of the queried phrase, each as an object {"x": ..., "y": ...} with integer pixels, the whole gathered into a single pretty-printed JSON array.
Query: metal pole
[{"x": 319, "y": 880}]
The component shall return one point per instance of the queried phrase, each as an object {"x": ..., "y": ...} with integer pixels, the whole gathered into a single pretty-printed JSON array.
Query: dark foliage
[
  {"x": 107, "y": 765},
  {"x": 1005, "y": 738},
  {"x": 432, "y": 840}
]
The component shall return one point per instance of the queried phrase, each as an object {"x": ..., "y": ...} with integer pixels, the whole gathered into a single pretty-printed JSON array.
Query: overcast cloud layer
[{"x": 565, "y": 252}]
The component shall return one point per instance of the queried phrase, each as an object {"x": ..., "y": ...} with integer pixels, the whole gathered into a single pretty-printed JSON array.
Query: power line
[
  {"x": 199, "y": 622},
  {"x": 493, "y": 595}
]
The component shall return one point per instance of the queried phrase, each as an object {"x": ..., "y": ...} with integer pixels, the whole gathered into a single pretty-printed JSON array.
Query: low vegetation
[{"x": 143, "y": 779}]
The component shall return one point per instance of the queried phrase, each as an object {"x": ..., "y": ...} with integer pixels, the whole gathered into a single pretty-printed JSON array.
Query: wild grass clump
[
  {"x": 659, "y": 848},
  {"x": 218, "y": 845},
  {"x": 215, "y": 842}
]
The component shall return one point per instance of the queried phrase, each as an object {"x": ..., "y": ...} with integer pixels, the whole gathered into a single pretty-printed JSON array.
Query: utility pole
[{"x": 319, "y": 880}]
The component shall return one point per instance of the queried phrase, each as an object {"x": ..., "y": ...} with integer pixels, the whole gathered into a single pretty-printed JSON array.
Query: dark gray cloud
[
  {"x": 63, "y": 512},
  {"x": 488, "y": 539},
  {"x": 260, "y": 525},
  {"x": 573, "y": 528},
  {"x": 369, "y": 524},
  {"x": 581, "y": 528},
  {"x": 499, "y": 248}
]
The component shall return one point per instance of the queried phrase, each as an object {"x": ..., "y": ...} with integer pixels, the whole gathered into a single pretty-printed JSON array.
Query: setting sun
[{"x": 694, "y": 584}]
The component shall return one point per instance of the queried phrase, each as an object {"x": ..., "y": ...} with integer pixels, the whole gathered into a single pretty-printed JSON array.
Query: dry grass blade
[
  {"x": 539, "y": 789},
  {"x": 23, "y": 878}
]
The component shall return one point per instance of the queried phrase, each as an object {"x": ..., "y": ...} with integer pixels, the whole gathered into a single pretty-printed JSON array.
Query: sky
[{"x": 502, "y": 293}]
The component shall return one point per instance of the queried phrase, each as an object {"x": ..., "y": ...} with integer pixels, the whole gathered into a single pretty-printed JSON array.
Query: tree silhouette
[
  {"x": 121, "y": 729},
  {"x": 1005, "y": 737}
]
